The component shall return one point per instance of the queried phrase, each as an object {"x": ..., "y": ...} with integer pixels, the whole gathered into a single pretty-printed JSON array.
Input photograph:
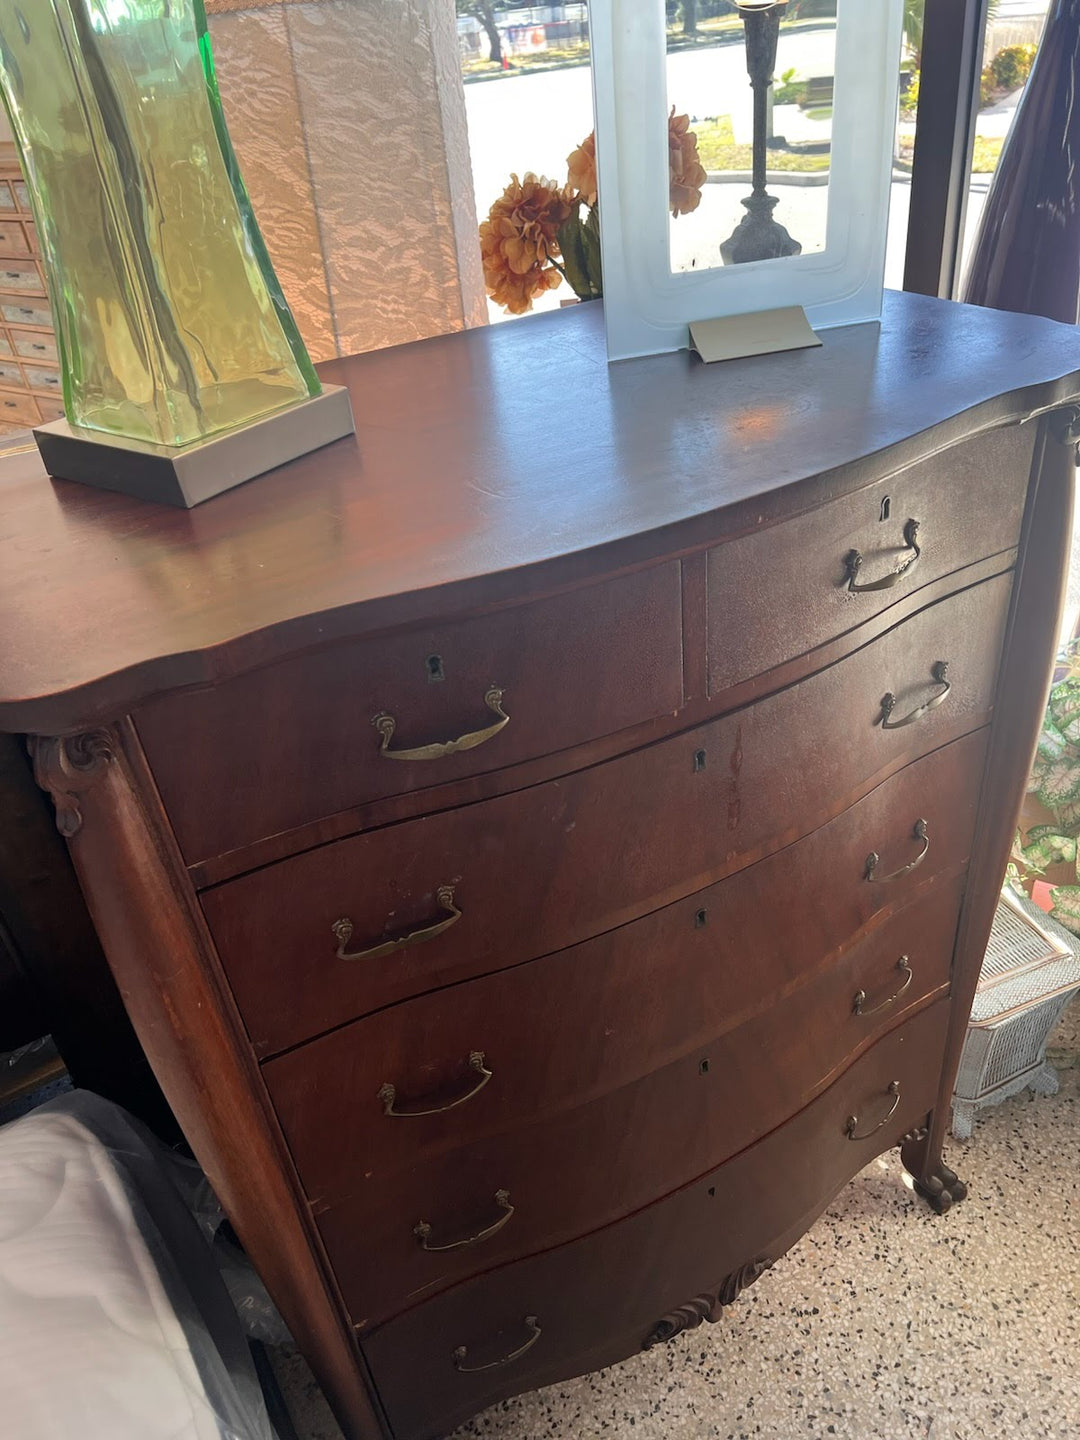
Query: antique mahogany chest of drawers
[{"x": 546, "y": 845}]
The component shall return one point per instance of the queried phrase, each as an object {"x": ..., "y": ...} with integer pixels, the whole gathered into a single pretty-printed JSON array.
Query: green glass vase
[{"x": 170, "y": 322}]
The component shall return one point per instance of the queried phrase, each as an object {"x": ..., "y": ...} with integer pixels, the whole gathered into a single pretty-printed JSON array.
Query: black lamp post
[{"x": 758, "y": 236}]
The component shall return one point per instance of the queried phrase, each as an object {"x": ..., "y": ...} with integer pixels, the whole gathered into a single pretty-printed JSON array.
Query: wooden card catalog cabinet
[{"x": 547, "y": 848}]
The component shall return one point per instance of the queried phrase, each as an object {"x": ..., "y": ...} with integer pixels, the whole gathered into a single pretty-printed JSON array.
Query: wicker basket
[{"x": 1029, "y": 974}]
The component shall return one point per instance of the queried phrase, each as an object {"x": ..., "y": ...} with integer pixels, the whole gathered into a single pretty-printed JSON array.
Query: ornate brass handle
[
  {"x": 904, "y": 966},
  {"x": 343, "y": 929},
  {"x": 874, "y": 859},
  {"x": 940, "y": 673},
  {"x": 422, "y": 1231},
  {"x": 851, "y": 1129},
  {"x": 386, "y": 725},
  {"x": 853, "y": 564},
  {"x": 388, "y": 1093},
  {"x": 461, "y": 1354}
]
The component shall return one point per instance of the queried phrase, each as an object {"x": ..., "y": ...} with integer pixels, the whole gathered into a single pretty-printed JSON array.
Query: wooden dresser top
[{"x": 487, "y": 466}]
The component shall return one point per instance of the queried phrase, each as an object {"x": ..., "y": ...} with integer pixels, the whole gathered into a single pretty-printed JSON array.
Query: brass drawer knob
[
  {"x": 939, "y": 672},
  {"x": 851, "y": 1128},
  {"x": 873, "y": 860},
  {"x": 385, "y": 724},
  {"x": 859, "y": 1006},
  {"x": 343, "y": 930},
  {"x": 853, "y": 564},
  {"x": 388, "y": 1094},
  {"x": 422, "y": 1231},
  {"x": 461, "y": 1354}
]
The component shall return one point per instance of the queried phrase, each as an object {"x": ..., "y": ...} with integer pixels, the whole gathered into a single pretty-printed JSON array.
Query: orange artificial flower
[
  {"x": 519, "y": 239},
  {"x": 686, "y": 174},
  {"x": 581, "y": 164}
]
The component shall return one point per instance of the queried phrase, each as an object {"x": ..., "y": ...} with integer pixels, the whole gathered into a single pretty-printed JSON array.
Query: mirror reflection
[{"x": 750, "y": 100}]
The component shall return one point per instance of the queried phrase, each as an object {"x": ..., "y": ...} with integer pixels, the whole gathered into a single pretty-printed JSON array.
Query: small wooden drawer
[
  {"x": 5, "y": 344},
  {"x": 594, "y": 1302},
  {"x": 21, "y": 275},
  {"x": 11, "y": 374},
  {"x": 7, "y": 198},
  {"x": 34, "y": 345},
  {"x": 655, "y": 825},
  {"x": 647, "y": 1137},
  {"x": 298, "y": 741},
  {"x": 51, "y": 409},
  {"x": 781, "y": 592},
  {"x": 21, "y": 313},
  {"x": 18, "y": 409},
  {"x": 40, "y": 377},
  {"x": 708, "y": 964},
  {"x": 13, "y": 240},
  {"x": 22, "y": 196}
]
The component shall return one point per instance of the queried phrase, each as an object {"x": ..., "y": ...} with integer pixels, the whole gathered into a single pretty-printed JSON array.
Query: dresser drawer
[
  {"x": 626, "y": 1148},
  {"x": 34, "y": 345},
  {"x": 22, "y": 276},
  {"x": 25, "y": 312},
  {"x": 13, "y": 239},
  {"x": 18, "y": 409},
  {"x": 543, "y": 868},
  {"x": 297, "y": 741},
  {"x": 783, "y": 591},
  {"x": 644, "y": 995},
  {"x": 594, "y": 1301}
]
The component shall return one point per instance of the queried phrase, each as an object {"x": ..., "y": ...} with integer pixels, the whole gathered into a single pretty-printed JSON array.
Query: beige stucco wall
[{"x": 348, "y": 118}]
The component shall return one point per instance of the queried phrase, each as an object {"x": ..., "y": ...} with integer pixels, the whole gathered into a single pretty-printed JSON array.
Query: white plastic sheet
[{"x": 115, "y": 1323}]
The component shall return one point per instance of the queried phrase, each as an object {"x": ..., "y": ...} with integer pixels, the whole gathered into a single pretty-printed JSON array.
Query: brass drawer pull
[
  {"x": 853, "y": 564},
  {"x": 461, "y": 1354},
  {"x": 940, "y": 673},
  {"x": 388, "y": 1093},
  {"x": 422, "y": 1231},
  {"x": 386, "y": 725},
  {"x": 873, "y": 860},
  {"x": 851, "y": 1129},
  {"x": 904, "y": 966},
  {"x": 343, "y": 929}
]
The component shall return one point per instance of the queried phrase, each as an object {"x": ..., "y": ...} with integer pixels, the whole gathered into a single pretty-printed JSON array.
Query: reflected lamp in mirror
[
  {"x": 183, "y": 371},
  {"x": 793, "y": 118}
]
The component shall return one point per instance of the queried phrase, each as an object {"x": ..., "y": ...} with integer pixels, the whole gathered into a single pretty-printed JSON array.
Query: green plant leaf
[
  {"x": 1050, "y": 848},
  {"x": 1066, "y": 909},
  {"x": 1058, "y": 784},
  {"x": 1063, "y": 710}
]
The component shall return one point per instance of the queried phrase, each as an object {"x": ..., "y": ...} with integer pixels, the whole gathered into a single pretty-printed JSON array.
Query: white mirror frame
[{"x": 648, "y": 307}]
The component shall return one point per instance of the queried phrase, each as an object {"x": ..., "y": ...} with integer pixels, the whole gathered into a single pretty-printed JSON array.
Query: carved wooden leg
[{"x": 934, "y": 1181}]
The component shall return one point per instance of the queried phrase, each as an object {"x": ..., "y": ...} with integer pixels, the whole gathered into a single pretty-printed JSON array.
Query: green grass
[{"x": 718, "y": 151}]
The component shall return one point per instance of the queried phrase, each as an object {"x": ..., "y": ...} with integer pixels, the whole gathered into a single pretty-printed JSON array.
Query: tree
[
  {"x": 484, "y": 11},
  {"x": 689, "y": 17}
]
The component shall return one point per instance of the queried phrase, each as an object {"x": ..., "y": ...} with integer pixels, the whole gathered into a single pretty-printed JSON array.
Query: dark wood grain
[
  {"x": 544, "y": 868},
  {"x": 1023, "y": 685},
  {"x": 645, "y": 995},
  {"x": 598, "y": 1300},
  {"x": 625, "y": 1147},
  {"x": 162, "y": 959},
  {"x": 486, "y": 467},
  {"x": 777, "y": 592},
  {"x": 488, "y": 784},
  {"x": 570, "y": 668}
]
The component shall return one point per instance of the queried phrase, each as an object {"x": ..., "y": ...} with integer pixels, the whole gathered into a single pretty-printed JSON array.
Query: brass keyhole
[{"x": 886, "y": 508}]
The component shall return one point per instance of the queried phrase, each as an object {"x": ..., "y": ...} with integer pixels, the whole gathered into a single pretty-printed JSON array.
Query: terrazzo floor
[{"x": 886, "y": 1322}]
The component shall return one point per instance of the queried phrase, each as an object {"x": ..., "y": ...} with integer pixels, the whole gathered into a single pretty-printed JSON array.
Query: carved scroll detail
[
  {"x": 705, "y": 1307},
  {"x": 65, "y": 766}
]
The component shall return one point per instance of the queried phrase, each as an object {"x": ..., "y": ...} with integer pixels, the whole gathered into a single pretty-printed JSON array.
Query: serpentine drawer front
[
  {"x": 342, "y": 726},
  {"x": 707, "y": 963},
  {"x": 595, "y": 1299},
  {"x": 518, "y": 875},
  {"x": 858, "y": 556},
  {"x": 545, "y": 859}
]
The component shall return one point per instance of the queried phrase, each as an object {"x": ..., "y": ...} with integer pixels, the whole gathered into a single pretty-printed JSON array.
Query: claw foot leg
[{"x": 933, "y": 1180}]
